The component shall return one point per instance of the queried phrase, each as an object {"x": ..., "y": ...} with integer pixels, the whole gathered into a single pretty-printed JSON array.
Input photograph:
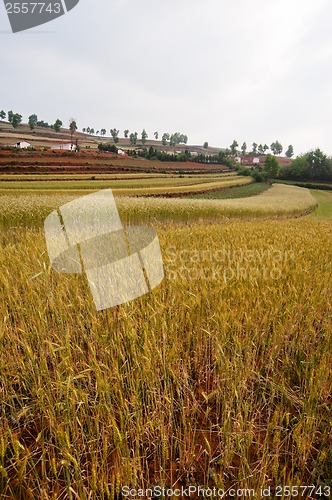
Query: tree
[
  {"x": 156, "y": 135},
  {"x": 103, "y": 131},
  {"x": 32, "y": 121},
  {"x": 43, "y": 124},
  {"x": 314, "y": 165},
  {"x": 165, "y": 138},
  {"x": 271, "y": 168},
  {"x": 233, "y": 147},
  {"x": 115, "y": 134},
  {"x": 244, "y": 148},
  {"x": 126, "y": 133},
  {"x": 205, "y": 145},
  {"x": 2, "y": 115},
  {"x": 133, "y": 138},
  {"x": 319, "y": 166},
  {"x": 88, "y": 130},
  {"x": 16, "y": 120},
  {"x": 175, "y": 138},
  {"x": 261, "y": 149},
  {"x": 10, "y": 115},
  {"x": 290, "y": 151},
  {"x": 108, "y": 147},
  {"x": 72, "y": 128},
  {"x": 92, "y": 131},
  {"x": 265, "y": 148},
  {"x": 144, "y": 136},
  {"x": 276, "y": 148},
  {"x": 83, "y": 130},
  {"x": 57, "y": 125},
  {"x": 254, "y": 148}
]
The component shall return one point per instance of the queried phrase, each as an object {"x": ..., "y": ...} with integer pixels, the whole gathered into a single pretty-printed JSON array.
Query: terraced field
[
  {"x": 222, "y": 376},
  {"x": 279, "y": 201},
  {"x": 148, "y": 186}
]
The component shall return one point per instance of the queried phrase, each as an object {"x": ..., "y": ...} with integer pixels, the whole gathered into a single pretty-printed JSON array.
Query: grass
[
  {"x": 234, "y": 192},
  {"x": 324, "y": 209},
  {"x": 327, "y": 186}
]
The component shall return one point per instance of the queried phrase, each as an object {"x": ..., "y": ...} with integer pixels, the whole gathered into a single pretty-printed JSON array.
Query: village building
[
  {"x": 65, "y": 147},
  {"x": 21, "y": 145}
]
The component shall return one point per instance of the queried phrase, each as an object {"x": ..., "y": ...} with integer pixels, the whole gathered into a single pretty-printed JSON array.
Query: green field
[
  {"x": 324, "y": 209},
  {"x": 325, "y": 186},
  {"x": 221, "y": 377},
  {"x": 235, "y": 192}
]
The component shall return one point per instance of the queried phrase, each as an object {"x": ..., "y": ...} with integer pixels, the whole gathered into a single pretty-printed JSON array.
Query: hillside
[
  {"x": 40, "y": 157},
  {"x": 89, "y": 160},
  {"x": 46, "y": 137}
]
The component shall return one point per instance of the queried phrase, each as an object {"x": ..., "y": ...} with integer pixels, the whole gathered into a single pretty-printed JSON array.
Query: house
[
  {"x": 252, "y": 160},
  {"x": 65, "y": 147},
  {"x": 21, "y": 145},
  {"x": 121, "y": 152}
]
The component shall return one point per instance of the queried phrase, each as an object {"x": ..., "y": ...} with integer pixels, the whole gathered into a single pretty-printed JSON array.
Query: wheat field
[
  {"x": 220, "y": 377},
  {"x": 30, "y": 209}
]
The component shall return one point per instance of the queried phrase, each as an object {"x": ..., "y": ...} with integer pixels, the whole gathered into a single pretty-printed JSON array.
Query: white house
[
  {"x": 21, "y": 145},
  {"x": 65, "y": 147},
  {"x": 121, "y": 152}
]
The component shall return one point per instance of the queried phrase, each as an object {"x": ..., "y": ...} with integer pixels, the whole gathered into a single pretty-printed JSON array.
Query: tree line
[
  {"x": 15, "y": 119},
  {"x": 167, "y": 139},
  {"x": 260, "y": 149},
  {"x": 170, "y": 139},
  {"x": 154, "y": 154},
  {"x": 312, "y": 166},
  {"x": 151, "y": 153}
]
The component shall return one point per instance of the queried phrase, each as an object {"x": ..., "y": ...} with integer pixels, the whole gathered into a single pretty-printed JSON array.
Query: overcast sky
[{"x": 216, "y": 70}]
